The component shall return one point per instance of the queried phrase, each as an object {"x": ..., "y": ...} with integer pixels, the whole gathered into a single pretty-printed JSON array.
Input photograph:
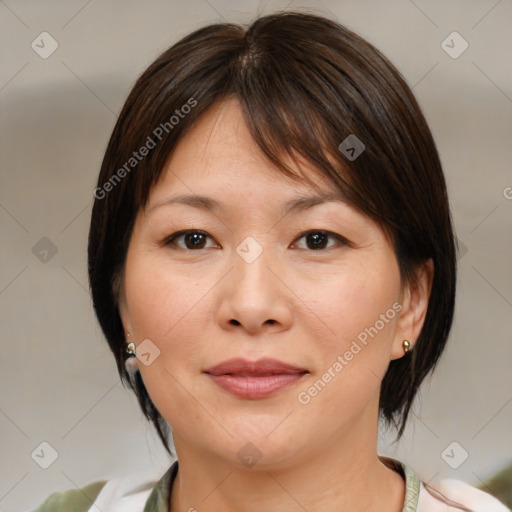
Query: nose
[{"x": 254, "y": 296}]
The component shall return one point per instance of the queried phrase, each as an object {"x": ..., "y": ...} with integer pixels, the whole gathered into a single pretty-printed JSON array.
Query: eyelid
[
  {"x": 331, "y": 234},
  {"x": 169, "y": 239},
  {"x": 344, "y": 241}
]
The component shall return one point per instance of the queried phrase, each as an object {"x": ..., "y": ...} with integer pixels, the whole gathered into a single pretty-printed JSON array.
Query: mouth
[{"x": 255, "y": 379}]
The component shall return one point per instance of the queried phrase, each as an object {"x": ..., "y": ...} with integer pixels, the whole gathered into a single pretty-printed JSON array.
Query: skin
[{"x": 301, "y": 305}]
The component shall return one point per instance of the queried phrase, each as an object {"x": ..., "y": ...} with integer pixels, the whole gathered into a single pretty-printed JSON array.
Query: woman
[{"x": 272, "y": 262}]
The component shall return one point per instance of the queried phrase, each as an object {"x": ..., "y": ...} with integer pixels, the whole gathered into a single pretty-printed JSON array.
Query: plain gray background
[{"x": 58, "y": 382}]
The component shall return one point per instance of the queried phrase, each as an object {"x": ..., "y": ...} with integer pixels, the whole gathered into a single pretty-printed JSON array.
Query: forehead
[{"x": 219, "y": 153}]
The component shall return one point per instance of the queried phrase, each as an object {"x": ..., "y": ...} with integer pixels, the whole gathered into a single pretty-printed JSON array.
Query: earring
[
  {"x": 407, "y": 345},
  {"x": 130, "y": 362},
  {"x": 130, "y": 348}
]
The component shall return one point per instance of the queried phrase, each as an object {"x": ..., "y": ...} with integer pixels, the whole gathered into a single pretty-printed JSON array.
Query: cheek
[
  {"x": 166, "y": 307},
  {"x": 162, "y": 303},
  {"x": 357, "y": 309},
  {"x": 349, "y": 302},
  {"x": 151, "y": 306},
  {"x": 352, "y": 364}
]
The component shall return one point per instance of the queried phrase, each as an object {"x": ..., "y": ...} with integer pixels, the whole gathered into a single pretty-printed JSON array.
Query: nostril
[{"x": 236, "y": 322}]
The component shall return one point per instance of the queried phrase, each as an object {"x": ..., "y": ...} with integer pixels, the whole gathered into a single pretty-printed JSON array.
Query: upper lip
[{"x": 261, "y": 366}]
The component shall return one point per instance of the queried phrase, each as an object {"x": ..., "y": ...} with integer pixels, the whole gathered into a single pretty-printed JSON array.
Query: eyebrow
[{"x": 296, "y": 204}]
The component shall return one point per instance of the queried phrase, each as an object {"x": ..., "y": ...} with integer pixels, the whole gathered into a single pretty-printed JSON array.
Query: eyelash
[{"x": 171, "y": 239}]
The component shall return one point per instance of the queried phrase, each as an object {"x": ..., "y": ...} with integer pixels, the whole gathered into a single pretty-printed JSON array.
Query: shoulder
[
  {"x": 447, "y": 495},
  {"x": 131, "y": 492},
  {"x": 451, "y": 495},
  {"x": 73, "y": 500}
]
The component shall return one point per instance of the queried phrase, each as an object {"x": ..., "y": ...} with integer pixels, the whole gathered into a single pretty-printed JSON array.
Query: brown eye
[
  {"x": 318, "y": 239},
  {"x": 193, "y": 239}
]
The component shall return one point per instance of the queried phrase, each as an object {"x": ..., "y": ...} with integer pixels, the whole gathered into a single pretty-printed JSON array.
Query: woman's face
[{"x": 259, "y": 281}]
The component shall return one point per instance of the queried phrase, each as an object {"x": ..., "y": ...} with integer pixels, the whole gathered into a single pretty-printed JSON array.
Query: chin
[{"x": 256, "y": 448}]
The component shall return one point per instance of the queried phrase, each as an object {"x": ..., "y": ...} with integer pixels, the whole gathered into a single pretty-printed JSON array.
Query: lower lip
[{"x": 255, "y": 387}]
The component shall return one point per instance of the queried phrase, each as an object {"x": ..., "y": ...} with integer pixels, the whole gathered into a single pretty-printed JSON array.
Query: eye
[
  {"x": 318, "y": 239},
  {"x": 193, "y": 239}
]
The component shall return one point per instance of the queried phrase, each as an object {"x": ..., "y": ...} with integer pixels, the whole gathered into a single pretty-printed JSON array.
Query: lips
[
  {"x": 261, "y": 367},
  {"x": 254, "y": 379}
]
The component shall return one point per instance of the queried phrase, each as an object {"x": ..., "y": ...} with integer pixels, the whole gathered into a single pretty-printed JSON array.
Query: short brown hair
[{"x": 305, "y": 83}]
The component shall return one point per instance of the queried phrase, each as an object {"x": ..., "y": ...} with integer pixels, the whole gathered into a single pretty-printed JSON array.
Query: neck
[{"x": 342, "y": 475}]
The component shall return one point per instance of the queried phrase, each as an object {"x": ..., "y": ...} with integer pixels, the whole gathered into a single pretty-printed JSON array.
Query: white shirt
[{"x": 127, "y": 494}]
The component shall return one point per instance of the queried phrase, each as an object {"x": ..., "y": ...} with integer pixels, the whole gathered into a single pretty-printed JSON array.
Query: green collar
[
  {"x": 412, "y": 482},
  {"x": 159, "y": 498}
]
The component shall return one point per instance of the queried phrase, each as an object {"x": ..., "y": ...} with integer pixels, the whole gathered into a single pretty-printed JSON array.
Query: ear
[
  {"x": 119, "y": 293},
  {"x": 125, "y": 317},
  {"x": 415, "y": 299}
]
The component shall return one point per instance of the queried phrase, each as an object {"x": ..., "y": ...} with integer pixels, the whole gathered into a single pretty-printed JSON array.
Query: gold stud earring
[{"x": 407, "y": 345}]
